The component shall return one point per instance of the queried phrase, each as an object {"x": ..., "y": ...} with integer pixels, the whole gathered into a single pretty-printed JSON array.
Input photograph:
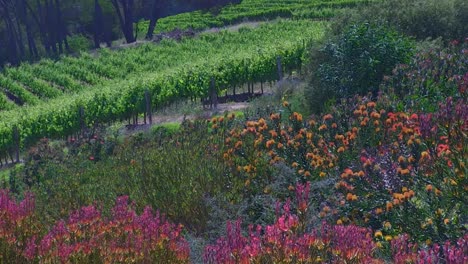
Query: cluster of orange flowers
[{"x": 393, "y": 153}]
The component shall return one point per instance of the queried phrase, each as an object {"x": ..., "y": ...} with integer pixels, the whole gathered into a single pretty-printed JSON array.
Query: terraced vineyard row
[
  {"x": 254, "y": 10},
  {"x": 112, "y": 85}
]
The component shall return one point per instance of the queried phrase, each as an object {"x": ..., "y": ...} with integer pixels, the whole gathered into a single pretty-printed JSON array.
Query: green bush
[
  {"x": 79, "y": 43},
  {"x": 355, "y": 62},
  {"x": 421, "y": 19}
]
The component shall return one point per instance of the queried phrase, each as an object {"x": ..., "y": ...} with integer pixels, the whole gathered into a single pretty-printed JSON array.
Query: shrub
[
  {"x": 79, "y": 43},
  {"x": 355, "y": 62},
  {"x": 87, "y": 237},
  {"x": 421, "y": 19}
]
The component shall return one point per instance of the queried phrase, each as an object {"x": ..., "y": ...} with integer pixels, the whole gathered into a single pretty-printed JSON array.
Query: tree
[{"x": 124, "y": 11}]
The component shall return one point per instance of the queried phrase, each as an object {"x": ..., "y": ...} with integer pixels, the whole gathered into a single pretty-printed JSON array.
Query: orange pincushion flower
[
  {"x": 297, "y": 117},
  {"x": 371, "y": 104},
  {"x": 405, "y": 172},
  {"x": 401, "y": 159},
  {"x": 429, "y": 187},
  {"x": 269, "y": 143},
  {"x": 389, "y": 206},
  {"x": 327, "y": 117},
  {"x": 375, "y": 115},
  {"x": 322, "y": 127}
]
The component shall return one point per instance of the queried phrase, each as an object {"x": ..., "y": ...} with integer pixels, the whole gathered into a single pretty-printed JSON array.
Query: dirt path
[{"x": 204, "y": 113}]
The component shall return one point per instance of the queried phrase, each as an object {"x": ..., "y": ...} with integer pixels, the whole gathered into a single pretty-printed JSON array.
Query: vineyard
[
  {"x": 49, "y": 95},
  {"x": 254, "y": 10}
]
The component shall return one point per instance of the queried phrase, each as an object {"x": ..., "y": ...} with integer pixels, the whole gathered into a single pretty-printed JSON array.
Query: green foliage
[
  {"x": 253, "y": 10},
  {"x": 79, "y": 43},
  {"x": 355, "y": 62},
  {"x": 430, "y": 77},
  {"x": 418, "y": 18},
  {"x": 172, "y": 171}
]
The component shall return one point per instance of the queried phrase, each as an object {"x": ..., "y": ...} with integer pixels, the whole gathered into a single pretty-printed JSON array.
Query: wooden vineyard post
[
  {"x": 213, "y": 93},
  {"x": 148, "y": 106},
  {"x": 16, "y": 140},
  {"x": 280, "y": 68},
  {"x": 81, "y": 116}
]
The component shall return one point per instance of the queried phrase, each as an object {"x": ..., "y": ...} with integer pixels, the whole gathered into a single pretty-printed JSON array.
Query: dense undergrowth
[{"x": 375, "y": 176}]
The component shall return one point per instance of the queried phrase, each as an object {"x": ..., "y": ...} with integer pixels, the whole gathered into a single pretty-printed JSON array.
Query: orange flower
[
  {"x": 401, "y": 159},
  {"x": 371, "y": 104},
  {"x": 322, "y": 127},
  {"x": 307, "y": 174},
  {"x": 327, "y": 117},
  {"x": 285, "y": 104},
  {"x": 375, "y": 115},
  {"x": 389, "y": 206},
  {"x": 405, "y": 172},
  {"x": 378, "y": 234},
  {"x": 429, "y": 187},
  {"x": 297, "y": 117},
  {"x": 269, "y": 143},
  {"x": 341, "y": 150},
  {"x": 238, "y": 144},
  {"x": 378, "y": 211},
  {"x": 322, "y": 174},
  {"x": 425, "y": 155}
]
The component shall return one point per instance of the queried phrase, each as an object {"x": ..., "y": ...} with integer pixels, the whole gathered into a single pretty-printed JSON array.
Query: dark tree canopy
[{"x": 30, "y": 29}]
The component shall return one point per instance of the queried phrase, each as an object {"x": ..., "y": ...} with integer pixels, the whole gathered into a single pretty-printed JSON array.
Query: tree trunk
[
  {"x": 33, "y": 53},
  {"x": 98, "y": 23},
  {"x": 155, "y": 14},
  {"x": 125, "y": 19},
  {"x": 61, "y": 27}
]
